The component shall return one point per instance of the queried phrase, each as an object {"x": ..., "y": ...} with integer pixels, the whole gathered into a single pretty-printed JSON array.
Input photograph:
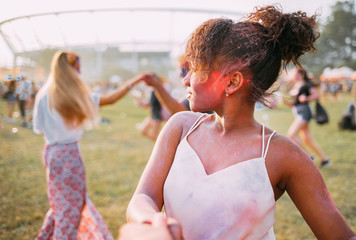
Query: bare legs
[
  {"x": 302, "y": 127},
  {"x": 150, "y": 128},
  {"x": 10, "y": 110}
]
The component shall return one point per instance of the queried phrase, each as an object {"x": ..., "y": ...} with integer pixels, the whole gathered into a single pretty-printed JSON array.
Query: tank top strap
[
  {"x": 197, "y": 123},
  {"x": 265, "y": 150},
  {"x": 263, "y": 140}
]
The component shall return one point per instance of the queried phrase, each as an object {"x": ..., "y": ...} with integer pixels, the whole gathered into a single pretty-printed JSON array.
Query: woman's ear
[{"x": 234, "y": 83}]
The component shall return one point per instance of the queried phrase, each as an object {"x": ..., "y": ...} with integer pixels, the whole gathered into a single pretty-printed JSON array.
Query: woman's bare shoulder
[
  {"x": 285, "y": 147},
  {"x": 185, "y": 119},
  {"x": 287, "y": 154},
  {"x": 178, "y": 126}
]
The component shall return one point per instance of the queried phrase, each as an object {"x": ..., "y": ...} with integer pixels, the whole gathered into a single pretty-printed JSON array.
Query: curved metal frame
[
  {"x": 17, "y": 45},
  {"x": 171, "y": 10}
]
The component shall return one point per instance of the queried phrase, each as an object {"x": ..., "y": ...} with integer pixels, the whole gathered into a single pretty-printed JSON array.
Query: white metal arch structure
[{"x": 127, "y": 29}]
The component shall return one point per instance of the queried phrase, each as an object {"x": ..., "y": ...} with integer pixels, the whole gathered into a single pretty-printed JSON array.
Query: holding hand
[
  {"x": 159, "y": 230},
  {"x": 152, "y": 80},
  {"x": 303, "y": 98},
  {"x": 122, "y": 90}
]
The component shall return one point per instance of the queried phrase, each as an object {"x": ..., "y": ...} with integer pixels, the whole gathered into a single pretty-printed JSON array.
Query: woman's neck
[{"x": 236, "y": 118}]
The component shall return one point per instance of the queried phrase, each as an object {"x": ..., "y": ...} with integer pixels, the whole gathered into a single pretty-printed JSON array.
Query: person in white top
[
  {"x": 61, "y": 108},
  {"x": 23, "y": 92},
  {"x": 218, "y": 176}
]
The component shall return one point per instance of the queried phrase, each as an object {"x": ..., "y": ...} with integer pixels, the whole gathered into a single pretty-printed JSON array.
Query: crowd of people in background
[{"x": 21, "y": 92}]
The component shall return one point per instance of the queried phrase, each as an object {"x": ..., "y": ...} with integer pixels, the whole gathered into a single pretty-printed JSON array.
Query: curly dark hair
[{"x": 258, "y": 47}]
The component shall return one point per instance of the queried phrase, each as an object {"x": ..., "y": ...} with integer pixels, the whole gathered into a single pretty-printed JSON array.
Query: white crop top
[{"x": 48, "y": 122}]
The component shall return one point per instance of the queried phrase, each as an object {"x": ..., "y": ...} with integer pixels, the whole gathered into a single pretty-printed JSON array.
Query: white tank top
[{"x": 233, "y": 203}]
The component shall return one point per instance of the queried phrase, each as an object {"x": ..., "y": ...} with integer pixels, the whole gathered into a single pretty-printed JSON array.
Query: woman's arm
[
  {"x": 121, "y": 91},
  {"x": 309, "y": 193},
  {"x": 37, "y": 116},
  {"x": 172, "y": 105},
  {"x": 148, "y": 197}
]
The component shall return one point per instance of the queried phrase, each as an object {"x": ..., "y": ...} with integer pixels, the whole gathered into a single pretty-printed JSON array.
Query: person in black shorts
[{"x": 303, "y": 92}]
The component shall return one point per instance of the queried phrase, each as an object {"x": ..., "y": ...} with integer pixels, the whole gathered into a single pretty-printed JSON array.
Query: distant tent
[{"x": 337, "y": 74}]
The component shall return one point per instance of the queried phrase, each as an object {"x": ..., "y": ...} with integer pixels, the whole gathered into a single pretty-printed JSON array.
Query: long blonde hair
[{"x": 68, "y": 94}]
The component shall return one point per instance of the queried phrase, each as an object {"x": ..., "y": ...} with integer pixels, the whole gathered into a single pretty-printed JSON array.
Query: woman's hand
[
  {"x": 121, "y": 91},
  {"x": 160, "y": 229},
  {"x": 152, "y": 80},
  {"x": 303, "y": 98},
  {"x": 174, "y": 228}
]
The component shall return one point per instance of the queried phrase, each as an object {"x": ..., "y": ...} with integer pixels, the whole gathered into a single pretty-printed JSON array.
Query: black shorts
[
  {"x": 303, "y": 111},
  {"x": 156, "y": 115}
]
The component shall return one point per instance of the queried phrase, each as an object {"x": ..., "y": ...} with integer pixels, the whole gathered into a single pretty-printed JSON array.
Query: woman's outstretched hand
[
  {"x": 152, "y": 80},
  {"x": 160, "y": 229}
]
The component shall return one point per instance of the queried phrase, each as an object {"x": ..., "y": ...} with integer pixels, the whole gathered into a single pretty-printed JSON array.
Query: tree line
[{"x": 337, "y": 43}]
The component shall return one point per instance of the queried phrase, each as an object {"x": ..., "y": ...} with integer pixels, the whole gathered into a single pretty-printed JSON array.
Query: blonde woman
[{"x": 61, "y": 108}]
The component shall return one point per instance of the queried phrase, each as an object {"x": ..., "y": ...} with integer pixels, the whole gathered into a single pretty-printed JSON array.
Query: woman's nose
[{"x": 186, "y": 80}]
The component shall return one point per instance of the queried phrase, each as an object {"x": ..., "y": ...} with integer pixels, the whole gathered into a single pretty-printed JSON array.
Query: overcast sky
[{"x": 17, "y": 8}]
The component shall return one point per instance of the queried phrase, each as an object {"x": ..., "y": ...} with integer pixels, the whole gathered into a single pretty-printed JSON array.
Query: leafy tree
[{"x": 337, "y": 43}]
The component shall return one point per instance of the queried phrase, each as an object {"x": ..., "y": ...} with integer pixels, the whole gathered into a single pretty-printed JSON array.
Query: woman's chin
[
  {"x": 198, "y": 109},
  {"x": 194, "y": 109}
]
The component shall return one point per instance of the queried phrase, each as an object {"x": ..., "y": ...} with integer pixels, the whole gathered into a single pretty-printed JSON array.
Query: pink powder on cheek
[{"x": 216, "y": 81}]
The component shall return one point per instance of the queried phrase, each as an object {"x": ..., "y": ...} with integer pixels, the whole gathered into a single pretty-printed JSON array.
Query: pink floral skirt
[{"x": 71, "y": 215}]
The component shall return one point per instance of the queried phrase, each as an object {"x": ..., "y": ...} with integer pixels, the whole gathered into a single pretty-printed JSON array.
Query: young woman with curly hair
[{"x": 219, "y": 176}]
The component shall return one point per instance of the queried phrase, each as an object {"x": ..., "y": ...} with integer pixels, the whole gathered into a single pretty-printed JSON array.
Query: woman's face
[{"x": 204, "y": 94}]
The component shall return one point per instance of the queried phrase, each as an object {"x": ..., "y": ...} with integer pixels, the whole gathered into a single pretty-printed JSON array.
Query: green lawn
[{"x": 115, "y": 155}]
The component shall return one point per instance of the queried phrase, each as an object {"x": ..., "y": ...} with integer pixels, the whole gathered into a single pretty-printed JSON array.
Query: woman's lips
[{"x": 189, "y": 93}]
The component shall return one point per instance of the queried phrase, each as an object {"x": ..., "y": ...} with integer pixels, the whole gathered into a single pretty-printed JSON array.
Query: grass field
[{"x": 115, "y": 155}]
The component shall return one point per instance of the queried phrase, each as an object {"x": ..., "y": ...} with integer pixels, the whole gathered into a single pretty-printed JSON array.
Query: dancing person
[
  {"x": 303, "y": 92},
  {"x": 219, "y": 175},
  {"x": 61, "y": 108}
]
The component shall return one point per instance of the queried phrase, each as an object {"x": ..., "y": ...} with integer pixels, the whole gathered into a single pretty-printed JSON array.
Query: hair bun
[{"x": 293, "y": 33}]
